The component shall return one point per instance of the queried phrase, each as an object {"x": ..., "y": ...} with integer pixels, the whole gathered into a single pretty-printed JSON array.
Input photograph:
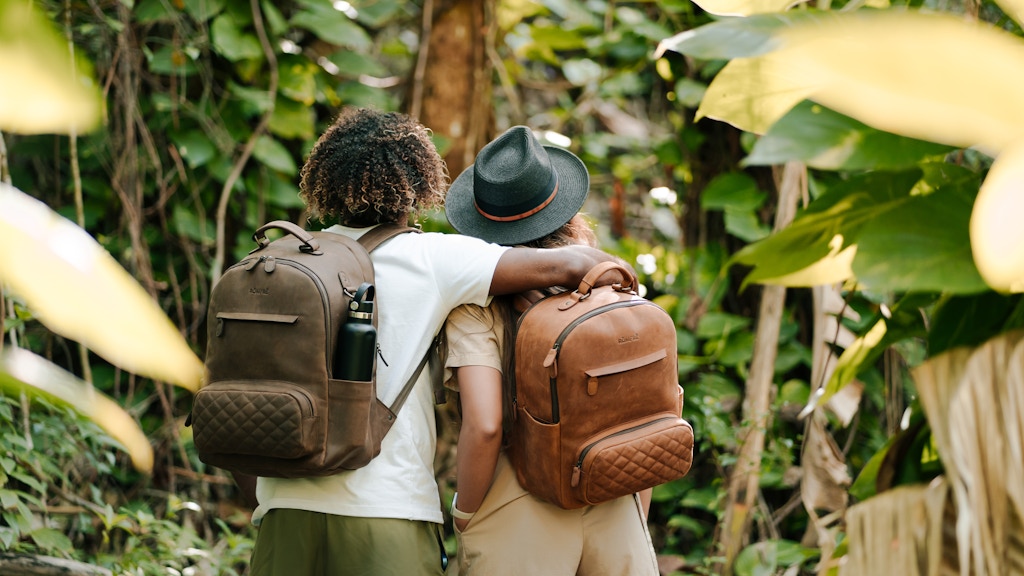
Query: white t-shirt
[{"x": 419, "y": 279}]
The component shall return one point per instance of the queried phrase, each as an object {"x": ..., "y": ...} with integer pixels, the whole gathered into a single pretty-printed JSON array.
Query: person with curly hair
[
  {"x": 372, "y": 168},
  {"x": 495, "y": 518}
]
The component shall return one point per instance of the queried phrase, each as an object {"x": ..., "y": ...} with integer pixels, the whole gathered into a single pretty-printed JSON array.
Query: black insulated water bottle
[{"x": 356, "y": 351}]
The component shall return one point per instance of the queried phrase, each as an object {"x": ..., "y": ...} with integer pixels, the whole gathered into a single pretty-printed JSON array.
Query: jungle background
[{"x": 823, "y": 195}]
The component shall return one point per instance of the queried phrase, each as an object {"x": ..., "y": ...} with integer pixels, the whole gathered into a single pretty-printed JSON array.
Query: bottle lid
[{"x": 361, "y": 305}]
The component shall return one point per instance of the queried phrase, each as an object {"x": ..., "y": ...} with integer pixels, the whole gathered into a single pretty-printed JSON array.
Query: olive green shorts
[{"x": 298, "y": 543}]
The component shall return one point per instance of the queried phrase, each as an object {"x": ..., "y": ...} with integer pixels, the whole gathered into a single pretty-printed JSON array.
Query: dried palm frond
[
  {"x": 975, "y": 404},
  {"x": 899, "y": 532}
]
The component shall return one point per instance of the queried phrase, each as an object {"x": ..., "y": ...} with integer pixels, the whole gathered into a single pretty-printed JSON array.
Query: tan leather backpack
[
  {"x": 596, "y": 395},
  {"x": 269, "y": 405}
]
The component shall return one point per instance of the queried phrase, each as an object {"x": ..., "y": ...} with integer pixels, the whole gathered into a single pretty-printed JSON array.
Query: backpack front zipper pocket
[
  {"x": 632, "y": 457},
  {"x": 267, "y": 418}
]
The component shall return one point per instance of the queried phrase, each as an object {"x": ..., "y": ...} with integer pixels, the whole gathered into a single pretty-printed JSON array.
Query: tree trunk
[{"x": 451, "y": 88}]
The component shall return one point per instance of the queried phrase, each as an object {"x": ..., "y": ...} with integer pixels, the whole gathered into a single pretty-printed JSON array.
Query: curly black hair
[{"x": 372, "y": 167}]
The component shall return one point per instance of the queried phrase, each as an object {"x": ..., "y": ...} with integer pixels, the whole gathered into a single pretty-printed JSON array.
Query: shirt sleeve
[
  {"x": 474, "y": 339},
  {"x": 463, "y": 267}
]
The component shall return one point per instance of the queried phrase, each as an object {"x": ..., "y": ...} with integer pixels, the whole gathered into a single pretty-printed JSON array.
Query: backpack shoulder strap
[{"x": 382, "y": 234}]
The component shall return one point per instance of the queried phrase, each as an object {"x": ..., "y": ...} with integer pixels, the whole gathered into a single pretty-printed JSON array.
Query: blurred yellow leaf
[
  {"x": 78, "y": 290},
  {"x": 752, "y": 93},
  {"x": 20, "y": 368},
  {"x": 930, "y": 76},
  {"x": 42, "y": 90},
  {"x": 745, "y": 7},
  {"x": 997, "y": 236}
]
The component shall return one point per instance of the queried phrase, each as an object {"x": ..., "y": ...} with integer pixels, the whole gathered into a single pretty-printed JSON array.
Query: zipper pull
[
  {"x": 551, "y": 362},
  {"x": 252, "y": 263},
  {"x": 575, "y": 476},
  {"x": 381, "y": 355},
  {"x": 270, "y": 264}
]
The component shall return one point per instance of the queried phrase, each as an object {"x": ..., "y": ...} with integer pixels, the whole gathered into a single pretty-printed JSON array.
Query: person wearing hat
[
  {"x": 369, "y": 168},
  {"x": 519, "y": 192}
]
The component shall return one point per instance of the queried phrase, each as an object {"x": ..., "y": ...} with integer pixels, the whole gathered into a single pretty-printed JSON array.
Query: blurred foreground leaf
[
  {"x": 79, "y": 290},
  {"x": 20, "y": 369},
  {"x": 42, "y": 89}
]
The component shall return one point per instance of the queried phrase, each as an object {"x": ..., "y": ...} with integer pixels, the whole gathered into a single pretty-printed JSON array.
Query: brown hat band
[{"x": 521, "y": 215}]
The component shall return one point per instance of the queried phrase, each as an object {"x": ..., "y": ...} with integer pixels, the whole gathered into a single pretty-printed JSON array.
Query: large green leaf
[
  {"x": 824, "y": 139},
  {"x": 920, "y": 245},
  {"x": 42, "y": 89},
  {"x": 23, "y": 370},
  {"x": 330, "y": 25},
  {"x": 827, "y": 228},
  {"x": 77, "y": 289}
]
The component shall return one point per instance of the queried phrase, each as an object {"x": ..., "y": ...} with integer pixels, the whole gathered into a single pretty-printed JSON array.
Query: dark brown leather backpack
[
  {"x": 596, "y": 396},
  {"x": 269, "y": 405}
]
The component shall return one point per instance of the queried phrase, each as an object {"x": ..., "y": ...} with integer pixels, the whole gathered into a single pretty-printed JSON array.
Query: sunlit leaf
[
  {"x": 744, "y": 7},
  {"x": 833, "y": 268},
  {"x": 852, "y": 360},
  {"x": 895, "y": 71},
  {"x": 824, "y": 139},
  {"x": 997, "y": 236},
  {"x": 825, "y": 234},
  {"x": 20, "y": 369},
  {"x": 753, "y": 93},
  {"x": 79, "y": 290},
  {"x": 41, "y": 89}
]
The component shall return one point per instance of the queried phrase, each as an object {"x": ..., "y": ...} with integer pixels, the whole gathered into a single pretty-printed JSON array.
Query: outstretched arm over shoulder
[{"x": 522, "y": 269}]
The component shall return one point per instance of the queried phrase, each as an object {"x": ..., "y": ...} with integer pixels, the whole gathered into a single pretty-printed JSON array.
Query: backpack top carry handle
[
  {"x": 587, "y": 284},
  {"x": 309, "y": 243},
  {"x": 599, "y": 270}
]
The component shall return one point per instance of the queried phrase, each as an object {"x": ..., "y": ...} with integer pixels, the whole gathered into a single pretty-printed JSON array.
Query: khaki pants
[
  {"x": 515, "y": 533},
  {"x": 301, "y": 543}
]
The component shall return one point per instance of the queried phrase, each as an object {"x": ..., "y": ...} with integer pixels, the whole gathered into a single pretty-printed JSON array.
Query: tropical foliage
[{"x": 823, "y": 198}]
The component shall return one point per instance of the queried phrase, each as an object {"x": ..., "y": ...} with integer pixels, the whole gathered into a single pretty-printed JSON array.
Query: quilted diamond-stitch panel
[
  {"x": 639, "y": 463},
  {"x": 244, "y": 422}
]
